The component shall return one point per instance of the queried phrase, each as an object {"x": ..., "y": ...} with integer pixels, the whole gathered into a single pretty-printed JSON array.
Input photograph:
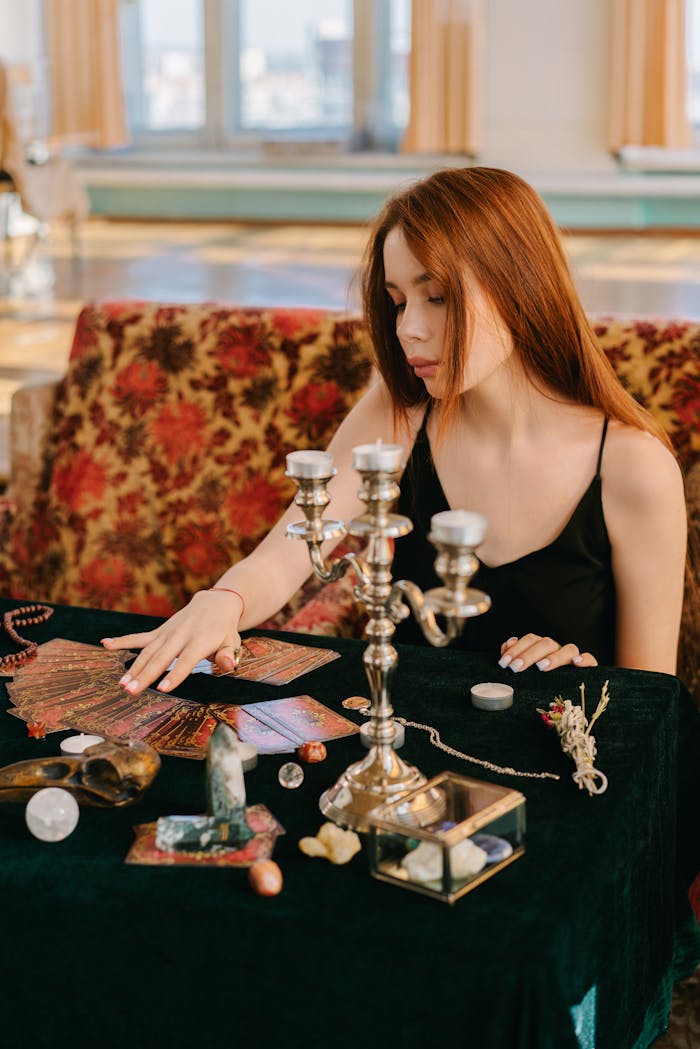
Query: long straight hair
[{"x": 491, "y": 224}]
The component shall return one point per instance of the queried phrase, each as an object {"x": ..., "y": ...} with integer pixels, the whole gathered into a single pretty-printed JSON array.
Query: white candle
[
  {"x": 492, "y": 695},
  {"x": 458, "y": 526},
  {"x": 309, "y": 464},
  {"x": 77, "y": 744},
  {"x": 377, "y": 456}
]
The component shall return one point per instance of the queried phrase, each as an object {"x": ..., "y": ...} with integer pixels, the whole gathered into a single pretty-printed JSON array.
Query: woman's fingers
[
  {"x": 174, "y": 648},
  {"x": 226, "y": 657},
  {"x": 543, "y": 652},
  {"x": 129, "y": 640}
]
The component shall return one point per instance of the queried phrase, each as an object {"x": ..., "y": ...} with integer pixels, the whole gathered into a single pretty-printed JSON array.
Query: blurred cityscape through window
[{"x": 220, "y": 70}]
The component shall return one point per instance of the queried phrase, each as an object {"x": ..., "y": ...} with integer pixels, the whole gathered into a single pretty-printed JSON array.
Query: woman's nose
[{"x": 411, "y": 323}]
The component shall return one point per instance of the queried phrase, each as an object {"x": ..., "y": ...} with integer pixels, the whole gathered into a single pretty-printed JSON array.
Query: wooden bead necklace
[{"x": 28, "y": 615}]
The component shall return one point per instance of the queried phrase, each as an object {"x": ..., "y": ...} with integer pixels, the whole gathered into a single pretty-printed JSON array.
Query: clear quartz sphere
[
  {"x": 52, "y": 814},
  {"x": 291, "y": 775}
]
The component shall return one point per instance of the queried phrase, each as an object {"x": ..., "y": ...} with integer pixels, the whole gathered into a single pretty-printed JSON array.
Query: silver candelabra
[{"x": 382, "y": 775}]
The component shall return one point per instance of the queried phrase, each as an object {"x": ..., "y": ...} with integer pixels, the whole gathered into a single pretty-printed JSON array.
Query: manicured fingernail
[
  {"x": 516, "y": 665},
  {"x": 577, "y": 659},
  {"x": 106, "y": 641},
  {"x": 133, "y": 687},
  {"x": 125, "y": 680},
  {"x": 165, "y": 684},
  {"x": 504, "y": 661},
  {"x": 510, "y": 641},
  {"x": 543, "y": 663}
]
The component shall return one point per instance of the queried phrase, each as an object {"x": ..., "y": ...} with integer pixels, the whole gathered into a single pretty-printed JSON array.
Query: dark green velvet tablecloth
[{"x": 576, "y": 944}]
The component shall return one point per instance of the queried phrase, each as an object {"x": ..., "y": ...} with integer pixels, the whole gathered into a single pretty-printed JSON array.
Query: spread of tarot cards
[{"x": 71, "y": 685}]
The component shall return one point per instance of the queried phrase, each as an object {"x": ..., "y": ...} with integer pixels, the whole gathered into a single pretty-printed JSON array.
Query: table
[{"x": 574, "y": 945}]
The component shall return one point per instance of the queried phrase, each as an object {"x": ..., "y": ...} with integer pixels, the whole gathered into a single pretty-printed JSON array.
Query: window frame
[{"x": 372, "y": 127}]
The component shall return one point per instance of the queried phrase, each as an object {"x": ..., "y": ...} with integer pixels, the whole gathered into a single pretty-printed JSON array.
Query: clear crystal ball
[
  {"x": 52, "y": 814},
  {"x": 291, "y": 775}
]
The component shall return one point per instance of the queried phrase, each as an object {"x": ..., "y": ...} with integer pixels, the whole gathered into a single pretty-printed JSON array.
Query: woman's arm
[
  {"x": 646, "y": 518},
  {"x": 267, "y": 578},
  {"x": 645, "y": 515}
]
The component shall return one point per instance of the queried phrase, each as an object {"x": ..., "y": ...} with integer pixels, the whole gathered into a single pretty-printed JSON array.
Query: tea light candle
[
  {"x": 492, "y": 695},
  {"x": 377, "y": 456},
  {"x": 77, "y": 744},
  {"x": 458, "y": 526},
  {"x": 309, "y": 464}
]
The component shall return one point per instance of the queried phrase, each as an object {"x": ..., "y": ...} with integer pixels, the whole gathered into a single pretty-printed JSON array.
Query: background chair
[{"x": 37, "y": 183}]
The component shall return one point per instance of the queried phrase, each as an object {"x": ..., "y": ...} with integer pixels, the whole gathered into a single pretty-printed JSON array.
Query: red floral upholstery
[
  {"x": 658, "y": 361},
  {"x": 166, "y": 455}
]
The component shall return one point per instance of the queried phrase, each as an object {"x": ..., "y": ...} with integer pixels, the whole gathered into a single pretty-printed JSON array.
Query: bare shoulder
[
  {"x": 638, "y": 469},
  {"x": 372, "y": 418}
]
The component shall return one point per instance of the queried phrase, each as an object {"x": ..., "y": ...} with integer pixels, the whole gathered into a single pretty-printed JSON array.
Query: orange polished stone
[
  {"x": 265, "y": 878},
  {"x": 311, "y": 751},
  {"x": 36, "y": 729}
]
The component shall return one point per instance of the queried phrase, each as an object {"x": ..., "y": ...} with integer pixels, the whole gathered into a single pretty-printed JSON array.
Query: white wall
[
  {"x": 546, "y": 80},
  {"x": 20, "y": 30}
]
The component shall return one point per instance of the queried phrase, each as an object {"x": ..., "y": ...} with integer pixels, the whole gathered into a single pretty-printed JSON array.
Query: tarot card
[
  {"x": 302, "y": 718},
  {"x": 128, "y": 717},
  {"x": 260, "y": 847},
  {"x": 272, "y": 661},
  {"x": 265, "y": 739},
  {"x": 186, "y": 732}
]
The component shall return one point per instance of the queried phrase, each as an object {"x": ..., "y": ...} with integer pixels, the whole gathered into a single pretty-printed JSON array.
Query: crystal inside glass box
[{"x": 448, "y": 836}]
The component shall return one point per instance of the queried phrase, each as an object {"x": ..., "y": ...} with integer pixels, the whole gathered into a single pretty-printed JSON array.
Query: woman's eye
[
  {"x": 438, "y": 300},
  {"x": 399, "y": 306}
]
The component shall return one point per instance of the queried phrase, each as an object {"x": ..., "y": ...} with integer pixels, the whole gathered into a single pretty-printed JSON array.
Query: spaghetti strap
[{"x": 602, "y": 443}]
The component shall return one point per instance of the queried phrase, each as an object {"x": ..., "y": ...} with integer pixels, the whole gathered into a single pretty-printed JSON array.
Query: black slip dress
[{"x": 564, "y": 590}]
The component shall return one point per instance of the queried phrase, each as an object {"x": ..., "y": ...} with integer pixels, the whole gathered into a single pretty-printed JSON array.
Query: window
[
  {"x": 227, "y": 72},
  {"x": 693, "y": 38}
]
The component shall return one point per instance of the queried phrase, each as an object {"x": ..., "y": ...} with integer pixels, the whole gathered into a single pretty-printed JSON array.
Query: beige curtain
[
  {"x": 84, "y": 75},
  {"x": 445, "y": 77},
  {"x": 649, "y": 75}
]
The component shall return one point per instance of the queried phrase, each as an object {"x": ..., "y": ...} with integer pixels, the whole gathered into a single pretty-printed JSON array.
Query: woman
[{"x": 492, "y": 378}]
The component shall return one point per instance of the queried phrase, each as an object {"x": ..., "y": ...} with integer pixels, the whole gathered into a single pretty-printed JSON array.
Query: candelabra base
[{"x": 382, "y": 776}]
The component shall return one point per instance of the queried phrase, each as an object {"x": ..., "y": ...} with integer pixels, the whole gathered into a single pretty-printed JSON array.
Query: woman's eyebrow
[{"x": 424, "y": 278}]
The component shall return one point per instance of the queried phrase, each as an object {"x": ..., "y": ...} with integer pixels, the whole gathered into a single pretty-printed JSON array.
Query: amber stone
[
  {"x": 311, "y": 751},
  {"x": 265, "y": 878}
]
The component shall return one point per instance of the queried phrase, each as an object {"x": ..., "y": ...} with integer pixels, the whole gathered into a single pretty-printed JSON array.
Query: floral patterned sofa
[{"x": 159, "y": 459}]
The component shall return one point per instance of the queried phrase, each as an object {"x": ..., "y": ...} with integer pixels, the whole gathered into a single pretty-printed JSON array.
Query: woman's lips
[{"x": 423, "y": 368}]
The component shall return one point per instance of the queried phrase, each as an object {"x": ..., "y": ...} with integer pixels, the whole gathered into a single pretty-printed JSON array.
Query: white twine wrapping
[{"x": 577, "y": 739}]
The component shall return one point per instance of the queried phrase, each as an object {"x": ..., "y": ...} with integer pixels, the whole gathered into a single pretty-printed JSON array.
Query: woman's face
[{"x": 421, "y": 314}]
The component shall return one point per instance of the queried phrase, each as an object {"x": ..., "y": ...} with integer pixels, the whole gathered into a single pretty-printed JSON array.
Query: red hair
[{"x": 492, "y": 224}]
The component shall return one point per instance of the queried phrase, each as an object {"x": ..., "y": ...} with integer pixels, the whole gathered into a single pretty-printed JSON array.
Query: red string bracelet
[{"x": 228, "y": 590}]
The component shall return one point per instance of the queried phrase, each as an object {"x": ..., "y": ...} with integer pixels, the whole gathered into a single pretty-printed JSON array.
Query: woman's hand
[
  {"x": 208, "y": 624},
  {"x": 519, "y": 653}
]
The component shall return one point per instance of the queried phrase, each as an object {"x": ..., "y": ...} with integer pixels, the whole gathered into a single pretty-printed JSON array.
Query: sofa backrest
[
  {"x": 165, "y": 461},
  {"x": 658, "y": 361}
]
